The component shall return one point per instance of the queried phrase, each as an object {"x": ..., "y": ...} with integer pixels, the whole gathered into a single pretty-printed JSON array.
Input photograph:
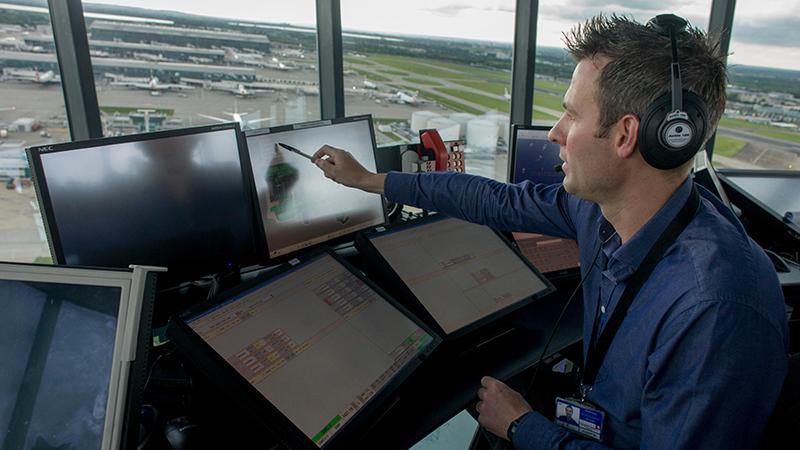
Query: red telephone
[{"x": 433, "y": 147}]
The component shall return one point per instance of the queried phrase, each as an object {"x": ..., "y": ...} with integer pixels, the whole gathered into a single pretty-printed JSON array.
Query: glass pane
[
  {"x": 32, "y": 112},
  {"x": 760, "y": 127},
  {"x": 424, "y": 64},
  {"x": 161, "y": 65},
  {"x": 554, "y": 65}
]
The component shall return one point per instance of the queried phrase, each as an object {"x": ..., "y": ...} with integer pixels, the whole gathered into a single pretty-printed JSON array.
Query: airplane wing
[
  {"x": 218, "y": 119},
  {"x": 254, "y": 121}
]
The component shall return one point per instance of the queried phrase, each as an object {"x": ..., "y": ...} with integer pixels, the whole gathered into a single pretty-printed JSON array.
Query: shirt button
[{"x": 602, "y": 309}]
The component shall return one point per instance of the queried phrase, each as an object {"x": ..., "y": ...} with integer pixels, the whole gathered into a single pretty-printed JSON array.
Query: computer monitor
[
  {"x": 298, "y": 206},
  {"x": 767, "y": 198},
  {"x": 310, "y": 351},
  {"x": 534, "y": 158},
  {"x": 455, "y": 274},
  {"x": 73, "y": 347},
  {"x": 180, "y": 199}
]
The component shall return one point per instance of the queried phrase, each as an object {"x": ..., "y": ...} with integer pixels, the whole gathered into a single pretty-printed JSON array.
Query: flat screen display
[
  {"x": 57, "y": 354},
  {"x": 299, "y": 207},
  {"x": 179, "y": 201},
  {"x": 460, "y": 272},
  {"x": 316, "y": 342},
  {"x": 535, "y": 157}
]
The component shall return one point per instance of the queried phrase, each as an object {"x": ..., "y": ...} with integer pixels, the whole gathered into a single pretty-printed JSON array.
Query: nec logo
[{"x": 49, "y": 148}]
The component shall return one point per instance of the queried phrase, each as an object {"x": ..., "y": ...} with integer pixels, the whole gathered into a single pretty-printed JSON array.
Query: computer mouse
[{"x": 183, "y": 434}]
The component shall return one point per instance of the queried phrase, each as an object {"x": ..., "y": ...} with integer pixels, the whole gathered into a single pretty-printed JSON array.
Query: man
[
  {"x": 700, "y": 357},
  {"x": 567, "y": 416}
]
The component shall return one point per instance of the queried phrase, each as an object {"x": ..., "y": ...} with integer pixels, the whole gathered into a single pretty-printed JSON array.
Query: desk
[{"x": 443, "y": 386}]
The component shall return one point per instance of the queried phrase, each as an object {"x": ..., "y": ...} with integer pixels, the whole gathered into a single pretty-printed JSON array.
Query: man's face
[
  {"x": 589, "y": 161},
  {"x": 568, "y": 411}
]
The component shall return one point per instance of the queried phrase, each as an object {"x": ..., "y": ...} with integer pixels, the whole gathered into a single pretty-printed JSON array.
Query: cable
[{"x": 561, "y": 316}]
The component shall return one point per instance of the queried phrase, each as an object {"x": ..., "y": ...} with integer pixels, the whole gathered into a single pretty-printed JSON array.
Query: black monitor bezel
[
  {"x": 755, "y": 208},
  {"x": 264, "y": 249},
  {"x": 208, "y": 361},
  {"x": 515, "y": 129},
  {"x": 380, "y": 270},
  {"x": 45, "y": 204}
]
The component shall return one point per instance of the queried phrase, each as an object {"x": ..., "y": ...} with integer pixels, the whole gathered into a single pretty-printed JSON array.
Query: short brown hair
[{"x": 639, "y": 68}]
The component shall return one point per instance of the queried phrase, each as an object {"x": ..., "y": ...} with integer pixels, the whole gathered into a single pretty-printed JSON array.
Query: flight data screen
[
  {"x": 535, "y": 158},
  {"x": 300, "y": 207},
  {"x": 459, "y": 271},
  {"x": 316, "y": 342},
  {"x": 57, "y": 356},
  {"x": 549, "y": 254}
]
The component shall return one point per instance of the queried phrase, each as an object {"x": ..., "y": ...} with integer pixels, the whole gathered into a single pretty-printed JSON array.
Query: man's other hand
[
  {"x": 340, "y": 166},
  {"x": 499, "y": 405}
]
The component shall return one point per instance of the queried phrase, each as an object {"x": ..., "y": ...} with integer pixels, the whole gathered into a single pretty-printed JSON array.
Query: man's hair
[{"x": 639, "y": 68}]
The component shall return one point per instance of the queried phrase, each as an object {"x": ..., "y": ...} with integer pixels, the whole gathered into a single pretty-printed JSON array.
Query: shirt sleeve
[
  {"x": 699, "y": 388},
  {"x": 525, "y": 207},
  {"x": 537, "y": 432}
]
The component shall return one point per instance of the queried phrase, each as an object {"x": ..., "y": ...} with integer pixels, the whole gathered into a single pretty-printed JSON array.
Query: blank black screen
[{"x": 179, "y": 202}]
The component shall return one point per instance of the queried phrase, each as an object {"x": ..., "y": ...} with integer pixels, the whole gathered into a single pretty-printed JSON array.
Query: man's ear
[{"x": 626, "y": 135}]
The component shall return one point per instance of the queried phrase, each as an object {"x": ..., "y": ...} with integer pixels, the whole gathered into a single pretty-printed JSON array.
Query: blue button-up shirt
[{"x": 700, "y": 358}]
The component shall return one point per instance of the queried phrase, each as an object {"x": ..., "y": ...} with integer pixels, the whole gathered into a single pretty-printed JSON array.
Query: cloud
[
  {"x": 450, "y": 10},
  {"x": 781, "y": 31}
]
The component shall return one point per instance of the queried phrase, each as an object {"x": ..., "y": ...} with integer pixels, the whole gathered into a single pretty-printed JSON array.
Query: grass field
[
  {"x": 363, "y": 61},
  {"x": 491, "y": 88},
  {"x": 728, "y": 146},
  {"x": 370, "y": 75},
  {"x": 762, "y": 130},
  {"x": 427, "y": 82},
  {"x": 548, "y": 101},
  {"x": 488, "y": 102},
  {"x": 550, "y": 86},
  {"x": 541, "y": 115},
  {"x": 392, "y": 72},
  {"x": 125, "y": 110}
]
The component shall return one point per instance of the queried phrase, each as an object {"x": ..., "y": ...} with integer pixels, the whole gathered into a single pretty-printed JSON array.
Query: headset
[{"x": 673, "y": 128}]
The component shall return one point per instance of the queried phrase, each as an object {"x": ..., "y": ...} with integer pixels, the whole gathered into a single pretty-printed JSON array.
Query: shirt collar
[{"x": 625, "y": 259}]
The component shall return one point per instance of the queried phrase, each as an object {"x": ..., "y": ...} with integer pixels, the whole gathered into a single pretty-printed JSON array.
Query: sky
[{"x": 765, "y": 33}]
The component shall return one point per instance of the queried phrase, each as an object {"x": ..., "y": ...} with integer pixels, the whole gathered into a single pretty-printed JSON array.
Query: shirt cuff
[{"x": 536, "y": 431}]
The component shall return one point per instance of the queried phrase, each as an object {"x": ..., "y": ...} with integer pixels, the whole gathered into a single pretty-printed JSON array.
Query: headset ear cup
[{"x": 655, "y": 148}]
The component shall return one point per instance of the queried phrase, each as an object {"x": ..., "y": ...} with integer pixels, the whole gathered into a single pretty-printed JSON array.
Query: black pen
[{"x": 294, "y": 150}]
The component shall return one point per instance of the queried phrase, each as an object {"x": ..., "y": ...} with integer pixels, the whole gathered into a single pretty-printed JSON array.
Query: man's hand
[
  {"x": 499, "y": 406},
  {"x": 341, "y": 167}
]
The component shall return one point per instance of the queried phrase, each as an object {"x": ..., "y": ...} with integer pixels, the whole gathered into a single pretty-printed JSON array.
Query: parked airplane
[
  {"x": 150, "y": 84},
  {"x": 506, "y": 94},
  {"x": 34, "y": 76},
  {"x": 237, "y": 117},
  {"x": 239, "y": 89}
]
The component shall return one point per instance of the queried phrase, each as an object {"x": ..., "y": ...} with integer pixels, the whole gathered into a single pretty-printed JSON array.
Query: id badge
[{"x": 580, "y": 417}]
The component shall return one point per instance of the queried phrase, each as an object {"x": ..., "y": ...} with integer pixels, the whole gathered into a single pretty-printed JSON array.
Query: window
[
  {"x": 433, "y": 64},
  {"x": 760, "y": 127},
  {"x": 32, "y": 112},
  {"x": 554, "y": 65},
  {"x": 162, "y": 65}
]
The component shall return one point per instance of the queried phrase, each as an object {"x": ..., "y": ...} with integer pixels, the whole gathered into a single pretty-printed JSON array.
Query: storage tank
[
  {"x": 463, "y": 119},
  {"x": 419, "y": 120},
  {"x": 448, "y": 129},
  {"x": 502, "y": 122},
  {"x": 482, "y": 134}
]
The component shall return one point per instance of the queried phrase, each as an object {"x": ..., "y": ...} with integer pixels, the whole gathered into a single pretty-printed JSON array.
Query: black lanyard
[{"x": 598, "y": 348}]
